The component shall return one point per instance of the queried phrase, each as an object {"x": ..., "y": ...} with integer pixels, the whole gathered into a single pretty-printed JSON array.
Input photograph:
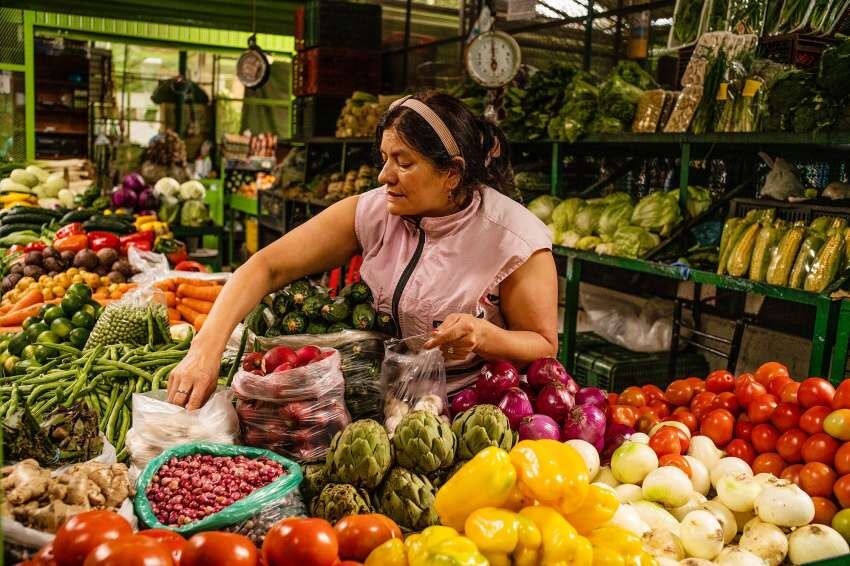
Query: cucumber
[
  {"x": 108, "y": 226},
  {"x": 294, "y": 323},
  {"x": 7, "y": 229},
  {"x": 24, "y": 218},
  {"x": 45, "y": 212},
  {"x": 363, "y": 317},
  {"x": 78, "y": 216},
  {"x": 336, "y": 311}
]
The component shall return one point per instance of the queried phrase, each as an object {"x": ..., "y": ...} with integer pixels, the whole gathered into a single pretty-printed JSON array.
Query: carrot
[
  {"x": 30, "y": 298},
  {"x": 170, "y": 299},
  {"x": 166, "y": 285},
  {"x": 199, "y": 322},
  {"x": 203, "y": 307},
  {"x": 10, "y": 329},
  {"x": 174, "y": 315},
  {"x": 194, "y": 282},
  {"x": 6, "y": 308},
  {"x": 16, "y": 318},
  {"x": 208, "y": 293},
  {"x": 187, "y": 313}
]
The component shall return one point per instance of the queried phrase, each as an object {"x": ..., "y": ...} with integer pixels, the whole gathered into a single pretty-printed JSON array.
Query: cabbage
[
  {"x": 588, "y": 243},
  {"x": 587, "y": 219},
  {"x": 699, "y": 200},
  {"x": 166, "y": 187},
  {"x": 633, "y": 241},
  {"x": 614, "y": 216},
  {"x": 607, "y": 249},
  {"x": 192, "y": 190},
  {"x": 569, "y": 239},
  {"x": 542, "y": 207},
  {"x": 554, "y": 232},
  {"x": 616, "y": 198},
  {"x": 658, "y": 212},
  {"x": 193, "y": 213},
  {"x": 565, "y": 213}
]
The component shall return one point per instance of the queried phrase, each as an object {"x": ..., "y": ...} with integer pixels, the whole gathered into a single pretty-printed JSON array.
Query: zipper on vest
[{"x": 405, "y": 277}]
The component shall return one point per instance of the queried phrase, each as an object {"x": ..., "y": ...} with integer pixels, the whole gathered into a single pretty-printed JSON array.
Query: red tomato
[
  {"x": 300, "y": 542},
  {"x": 219, "y": 549},
  {"x": 719, "y": 381},
  {"x": 349, "y": 563},
  {"x": 130, "y": 550},
  {"x": 842, "y": 459},
  {"x": 837, "y": 424},
  {"x": 703, "y": 403},
  {"x": 613, "y": 398},
  {"x": 769, "y": 371},
  {"x": 652, "y": 393},
  {"x": 842, "y": 396},
  {"x": 744, "y": 428},
  {"x": 786, "y": 416},
  {"x": 792, "y": 473},
  {"x": 769, "y": 462},
  {"x": 169, "y": 539},
  {"x": 816, "y": 391},
  {"x": 679, "y": 392},
  {"x": 820, "y": 447},
  {"x": 841, "y": 490},
  {"x": 728, "y": 401},
  {"x": 817, "y": 479},
  {"x": 646, "y": 421},
  {"x": 789, "y": 392},
  {"x": 811, "y": 421},
  {"x": 778, "y": 384},
  {"x": 81, "y": 533},
  {"x": 765, "y": 438},
  {"x": 624, "y": 414},
  {"x": 660, "y": 408},
  {"x": 687, "y": 418},
  {"x": 761, "y": 408},
  {"x": 633, "y": 396},
  {"x": 677, "y": 461},
  {"x": 790, "y": 445},
  {"x": 718, "y": 425},
  {"x": 747, "y": 389},
  {"x": 825, "y": 510},
  {"x": 359, "y": 535},
  {"x": 697, "y": 384},
  {"x": 741, "y": 449}
]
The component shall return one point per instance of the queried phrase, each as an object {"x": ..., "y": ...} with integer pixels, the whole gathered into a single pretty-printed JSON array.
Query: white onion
[
  {"x": 664, "y": 561},
  {"x": 725, "y": 517},
  {"x": 702, "y": 535},
  {"x": 588, "y": 454},
  {"x": 696, "y": 562},
  {"x": 703, "y": 449},
  {"x": 815, "y": 542},
  {"x": 656, "y": 516},
  {"x": 766, "y": 541},
  {"x": 661, "y": 542},
  {"x": 736, "y": 556},
  {"x": 676, "y": 424},
  {"x": 628, "y": 492},
  {"x": 640, "y": 437},
  {"x": 667, "y": 485},
  {"x": 726, "y": 466},
  {"x": 606, "y": 476},
  {"x": 628, "y": 518},
  {"x": 785, "y": 505},
  {"x": 743, "y": 518},
  {"x": 700, "y": 476},
  {"x": 766, "y": 479},
  {"x": 632, "y": 461},
  {"x": 695, "y": 501},
  {"x": 738, "y": 492}
]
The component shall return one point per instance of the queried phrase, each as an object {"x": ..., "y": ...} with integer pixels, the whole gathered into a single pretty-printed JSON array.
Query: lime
[
  {"x": 33, "y": 331},
  {"x": 90, "y": 310},
  {"x": 44, "y": 308},
  {"x": 17, "y": 344},
  {"x": 81, "y": 291},
  {"x": 47, "y": 337},
  {"x": 29, "y": 352},
  {"x": 79, "y": 337},
  {"x": 61, "y": 327},
  {"x": 30, "y": 321},
  {"x": 23, "y": 365},
  {"x": 53, "y": 313},
  {"x": 42, "y": 354},
  {"x": 71, "y": 304},
  {"x": 10, "y": 363},
  {"x": 82, "y": 320}
]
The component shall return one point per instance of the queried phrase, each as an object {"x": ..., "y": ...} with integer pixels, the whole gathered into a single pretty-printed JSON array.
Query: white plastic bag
[
  {"x": 781, "y": 183},
  {"x": 158, "y": 425}
]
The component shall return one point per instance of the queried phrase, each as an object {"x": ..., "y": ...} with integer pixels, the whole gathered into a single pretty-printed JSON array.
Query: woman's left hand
[{"x": 459, "y": 336}]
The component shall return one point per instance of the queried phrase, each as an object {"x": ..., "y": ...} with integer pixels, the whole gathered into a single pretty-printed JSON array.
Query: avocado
[
  {"x": 313, "y": 305},
  {"x": 294, "y": 323},
  {"x": 336, "y": 311},
  {"x": 280, "y": 304},
  {"x": 384, "y": 323},
  {"x": 338, "y": 327},
  {"x": 317, "y": 328},
  {"x": 363, "y": 317}
]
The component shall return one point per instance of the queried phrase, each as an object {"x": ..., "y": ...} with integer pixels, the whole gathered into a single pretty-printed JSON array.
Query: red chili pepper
[
  {"x": 73, "y": 243},
  {"x": 36, "y": 246},
  {"x": 70, "y": 230},
  {"x": 190, "y": 266},
  {"x": 101, "y": 240}
]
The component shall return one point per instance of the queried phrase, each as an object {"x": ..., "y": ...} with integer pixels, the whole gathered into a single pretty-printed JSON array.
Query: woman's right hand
[{"x": 194, "y": 379}]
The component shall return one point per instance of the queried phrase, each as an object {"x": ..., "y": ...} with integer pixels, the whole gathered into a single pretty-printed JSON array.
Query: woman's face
[{"x": 414, "y": 186}]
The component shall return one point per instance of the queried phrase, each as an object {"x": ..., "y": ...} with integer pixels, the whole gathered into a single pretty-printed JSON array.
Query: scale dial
[{"x": 492, "y": 59}]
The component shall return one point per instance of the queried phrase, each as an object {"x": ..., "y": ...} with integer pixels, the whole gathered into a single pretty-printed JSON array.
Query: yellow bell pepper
[
  {"x": 642, "y": 559},
  {"x": 503, "y": 537},
  {"x": 16, "y": 197},
  {"x": 527, "y": 552},
  {"x": 391, "y": 553},
  {"x": 142, "y": 220},
  {"x": 604, "y": 556},
  {"x": 551, "y": 472},
  {"x": 598, "y": 508},
  {"x": 442, "y": 546},
  {"x": 618, "y": 539},
  {"x": 561, "y": 544},
  {"x": 154, "y": 226},
  {"x": 484, "y": 481}
]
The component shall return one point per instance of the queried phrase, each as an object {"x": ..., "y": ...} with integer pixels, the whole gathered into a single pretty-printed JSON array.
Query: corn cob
[
  {"x": 847, "y": 246},
  {"x": 828, "y": 263},
  {"x": 726, "y": 237},
  {"x": 766, "y": 241},
  {"x": 838, "y": 225},
  {"x": 784, "y": 255},
  {"x": 739, "y": 259},
  {"x": 735, "y": 236},
  {"x": 807, "y": 256}
]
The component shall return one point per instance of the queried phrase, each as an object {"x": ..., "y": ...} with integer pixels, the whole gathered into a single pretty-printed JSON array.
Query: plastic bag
[
  {"x": 158, "y": 425},
  {"x": 648, "y": 111},
  {"x": 294, "y": 412},
  {"x": 746, "y": 16},
  {"x": 232, "y": 514},
  {"x": 683, "y": 112},
  {"x": 361, "y": 354},
  {"x": 413, "y": 379},
  {"x": 141, "y": 315},
  {"x": 146, "y": 263},
  {"x": 256, "y": 526},
  {"x": 781, "y": 183},
  {"x": 688, "y": 22}
]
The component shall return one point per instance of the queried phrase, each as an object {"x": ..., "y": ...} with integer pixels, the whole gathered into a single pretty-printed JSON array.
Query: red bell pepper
[
  {"x": 190, "y": 266},
  {"x": 70, "y": 230},
  {"x": 101, "y": 240},
  {"x": 72, "y": 243},
  {"x": 140, "y": 240},
  {"x": 36, "y": 246}
]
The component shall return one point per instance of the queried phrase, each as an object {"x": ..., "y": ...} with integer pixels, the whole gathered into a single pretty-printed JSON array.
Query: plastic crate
[
  {"x": 338, "y": 24},
  {"x": 796, "y": 49},
  {"x": 335, "y": 71},
  {"x": 601, "y": 364},
  {"x": 792, "y": 212},
  {"x": 314, "y": 116}
]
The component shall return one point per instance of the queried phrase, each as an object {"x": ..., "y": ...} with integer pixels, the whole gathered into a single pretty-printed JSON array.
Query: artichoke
[
  {"x": 338, "y": 500},
  {"x": 360, "y": 455},
  {"x": 480, "y": 427},
  {"x": 408, "y": 499},
  {"x": 424, "y": 442},
  {"x": 440, "y": 477},
  {"x": 315, "y": 478}
]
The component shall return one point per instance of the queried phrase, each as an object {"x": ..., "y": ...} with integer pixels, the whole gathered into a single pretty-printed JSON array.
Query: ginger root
[{"x": 24, "y": 481}]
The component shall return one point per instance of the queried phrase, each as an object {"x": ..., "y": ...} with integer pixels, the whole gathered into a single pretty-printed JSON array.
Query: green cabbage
[
  {"x": 614, "y": 216},
  {"x": 607, "y": 249},
  {"x": 565, "y": 213},
  {"x": 554, "y": 232},
  {"x": 542, "y": 207},
  {"x": 699, "y": 200},
  {"x": 193, "y": 213},
  {"x": 658, "y": 212},
  {"x": 588, "y": 243},
  {"x": 569, "y": 239},
  {"x": 587, "y": 219},
  {"x": 618, "y": 99},
  {"x": 618, "y": 197},
  {"x": 633, "y": 241}
]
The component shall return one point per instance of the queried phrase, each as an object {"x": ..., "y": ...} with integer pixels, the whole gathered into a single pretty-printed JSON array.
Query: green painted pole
[
  {"x": 555, "y": 171},
  {"x": 822, "y": 336},
  {"x": 29, "y": 83},
  {"x": 838, "y": 367},
  {"x": 567, "y": 353},
  {"x": 684, "y": 170}
]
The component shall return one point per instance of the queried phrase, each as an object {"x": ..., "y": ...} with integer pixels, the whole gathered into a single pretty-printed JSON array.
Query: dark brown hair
[{"x": 475, "y": 138}]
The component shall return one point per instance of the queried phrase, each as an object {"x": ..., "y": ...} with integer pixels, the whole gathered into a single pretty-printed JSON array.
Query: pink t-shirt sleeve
[{"x": 370, "y": 218}]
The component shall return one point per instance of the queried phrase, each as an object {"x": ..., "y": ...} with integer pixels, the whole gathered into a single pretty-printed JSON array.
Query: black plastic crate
[
  {"x": 314, "y": 116},
  {"x": 796, "y": 49},
  {"x": 793, "y": 212},
  {"x": 338, "y": 24}
]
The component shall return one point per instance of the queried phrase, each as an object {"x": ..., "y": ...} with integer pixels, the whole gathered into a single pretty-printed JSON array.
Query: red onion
[
  {"x": 615, "y": 435},
  {"x": 537, "y": 427},
  {"x": 546, "y": 370},
  {"x": 554, "y": 401},
  {"x": 515, "y": 405},
  {"x": 464, "y": 400},
  {"x": 592, "y": 396},
  {"x": 586, "y": 422},
  {"x": 494, "y": 379},
  {"x": 133, "y": 181}
]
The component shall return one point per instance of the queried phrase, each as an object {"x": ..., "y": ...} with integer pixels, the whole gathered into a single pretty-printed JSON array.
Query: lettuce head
[
  {"x": 565, "y": 213},
  {"x": 658, "y": 212}
]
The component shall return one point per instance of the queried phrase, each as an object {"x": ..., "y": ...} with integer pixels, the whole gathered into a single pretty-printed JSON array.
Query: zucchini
[
  {"x": 108, "y": 226},
  {"x": 46, "y": 212},
  {"x": 78, "y": 215},
  {"x": 24, "y": 218},
  {"x": 336, "y": 311},
  {"x": 7, "y": 229},
  {"x": 363, "y": 317},
  {"x": 805, "y": 258},
  {"x": 313, "y": 305},
  {"x": 294, "y": 323},
  {"x": 827, "y": 265}
]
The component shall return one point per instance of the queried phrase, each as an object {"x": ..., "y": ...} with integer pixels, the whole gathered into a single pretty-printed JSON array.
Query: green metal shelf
[{"x": 244, "y": 204}]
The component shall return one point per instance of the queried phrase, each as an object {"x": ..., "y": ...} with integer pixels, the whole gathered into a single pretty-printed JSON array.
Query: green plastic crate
[{"x": 601, "y": 364}]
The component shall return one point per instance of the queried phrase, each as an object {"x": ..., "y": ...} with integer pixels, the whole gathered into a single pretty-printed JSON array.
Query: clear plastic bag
[
  {"x": 781, "y": 183},
  {"x": 158, "y": 425},
  {"x": 142, "y": 316},
  {"x": 413, "y": 379},
  {"x": 746, "y": 16},
  {"x": 256, "y": 526},
  {"x": 296, "y": 412},
  {"x": 648, "y": 111},
  {"x": 688, "y": 22},
  {"x": 683, "y": 112}
]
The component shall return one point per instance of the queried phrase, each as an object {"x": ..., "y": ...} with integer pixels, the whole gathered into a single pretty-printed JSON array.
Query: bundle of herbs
[
  {"x": 633, "y": 74},
  {"x": 529, "y": 107},
  {"x": 834, "y": 70},
  {"x": 618, "y": 99},
  {"x": 578, "y": 111},
  {"x": 717, "y": 15},
  {"x": 787, "y": 91}
]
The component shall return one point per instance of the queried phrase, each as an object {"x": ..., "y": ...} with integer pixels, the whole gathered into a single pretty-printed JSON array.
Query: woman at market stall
[{"x": 445, "y": 251}]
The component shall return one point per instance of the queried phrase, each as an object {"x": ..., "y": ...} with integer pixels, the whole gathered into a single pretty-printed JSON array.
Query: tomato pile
[{"x": 796, "y": 430}]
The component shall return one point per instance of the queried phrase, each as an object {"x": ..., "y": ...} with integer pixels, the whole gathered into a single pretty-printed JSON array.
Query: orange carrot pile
[{"x": 189, "y": 300}]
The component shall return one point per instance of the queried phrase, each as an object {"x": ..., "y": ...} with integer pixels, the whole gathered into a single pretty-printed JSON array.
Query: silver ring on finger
[
  {"x": 450, "y": 350},
  {"x": 182, "y": 392}
]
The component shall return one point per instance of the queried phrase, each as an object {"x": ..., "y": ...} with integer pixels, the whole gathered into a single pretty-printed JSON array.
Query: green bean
[
  {"x": 110, "y": 407},
  {"x": 132, "y": 369},
  {"x": 94, "y": 404},
  {"x": 48, "y": 404},
  {"x": 126, "y": 421},
  {"x": 160, "y": 375},
  {"x": 40, "y": 390},
  {"x": 48, "y": 378},
  {"x": 64, "y": 348}
]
